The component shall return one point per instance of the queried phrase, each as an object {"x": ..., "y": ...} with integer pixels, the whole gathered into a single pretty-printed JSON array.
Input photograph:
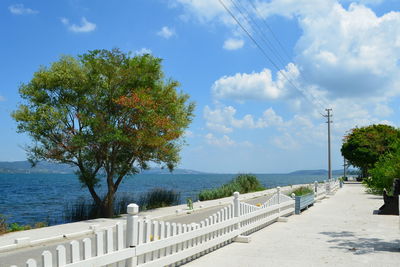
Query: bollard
[
  {"x": 315, "y": 187},
  {"x": 131, "y": 233},
  {"x": 236, "y": 207},
  {"x": 278, "y": 193}
]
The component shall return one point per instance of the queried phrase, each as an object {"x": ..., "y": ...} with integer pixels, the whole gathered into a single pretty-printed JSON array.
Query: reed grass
[{"x": 242, "y": 183}]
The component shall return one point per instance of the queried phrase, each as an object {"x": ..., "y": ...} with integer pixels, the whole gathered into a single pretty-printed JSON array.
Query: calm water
[{"x": 29, "y": 198}]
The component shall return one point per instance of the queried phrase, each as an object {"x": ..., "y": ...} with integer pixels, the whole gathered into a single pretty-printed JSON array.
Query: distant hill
[
  {"x": 47, "y": 167},
  {"x": 41, "y": 167},
  {"x": 321, "y": 172}
]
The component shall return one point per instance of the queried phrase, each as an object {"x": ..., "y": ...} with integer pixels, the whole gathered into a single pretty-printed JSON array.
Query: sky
[{"x": 259, "y": 98}]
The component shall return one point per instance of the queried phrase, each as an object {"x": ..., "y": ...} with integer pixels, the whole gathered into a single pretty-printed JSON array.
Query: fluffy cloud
[
  {"x": 204, "y": 10},
  {"x": 143, "y": 51},
  {"x": 166, "y": 32},
  {"x": 346, "y": 58},
  {"x": 223, "y": 119},
  {"x": 85, "y": 25},
  {"x": 345, "y": 52},
  {"x": 20, "y": 9},
  {"x": 254, "y": 86},
  {"x": 233, "y": 44},
  {"x": 224, "y": 141}
]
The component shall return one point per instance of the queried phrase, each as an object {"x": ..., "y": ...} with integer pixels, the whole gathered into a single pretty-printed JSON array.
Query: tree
[
  {"x": 385, "y": 171},
  {"x": 364, "y": 146},
  {"x": 108, "y": 114}
]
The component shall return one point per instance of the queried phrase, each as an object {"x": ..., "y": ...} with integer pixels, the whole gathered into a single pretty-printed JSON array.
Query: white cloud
[
  {"x": 365, "y": 2},
  {"x": 20, "y": 9},
  {"x": 224, "y": 141},
  {"x": 222, "y": 119},
  {"x": 382, "y": 110},
  {"x": 85, "y": 25},
  {"x": 286, "y": 142},
  {"x": 166, "y": 32},
  {"x": 2, "y": 98},
  {"x": 253, "y": 86},
  {"x": 204, "y": 10},
  {"x": 143, "y": 51},
  {"x": 233, "y": 44},
  {"x": 344, "y": 52}
]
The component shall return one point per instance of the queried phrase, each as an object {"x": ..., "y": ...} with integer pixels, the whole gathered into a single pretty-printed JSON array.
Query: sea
[{"x": 30, "y": 198}]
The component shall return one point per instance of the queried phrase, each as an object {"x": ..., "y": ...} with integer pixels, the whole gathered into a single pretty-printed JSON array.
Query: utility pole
[
  {"x": 344, "y": 168},
  {"x": 329, "y": 116}
]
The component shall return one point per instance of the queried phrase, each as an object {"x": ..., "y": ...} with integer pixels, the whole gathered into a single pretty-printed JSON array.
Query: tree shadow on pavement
[{"x": 346, "y": 240}]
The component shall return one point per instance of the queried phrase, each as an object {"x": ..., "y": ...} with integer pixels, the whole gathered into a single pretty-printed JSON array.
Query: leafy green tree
[
  {"x": 364, "y": 146},
  {"x": 107, "y": 113},
  {"x": 385, "y": 171}
]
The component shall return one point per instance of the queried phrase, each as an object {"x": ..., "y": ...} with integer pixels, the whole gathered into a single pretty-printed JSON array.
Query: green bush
[
  {"x": 301, "y": 191},
  {"x": 83, "y": 209},
  {"x": 384, "y": 172},
  {"x": 243, "y": 183},
  {"x": 158, "y": 198},
  {"x": 3, "y": 224},
  {"x": 13, "y": 227}
]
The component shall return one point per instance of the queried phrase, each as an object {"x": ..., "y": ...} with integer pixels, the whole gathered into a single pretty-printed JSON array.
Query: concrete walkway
[{"x": 339, "y": 231}]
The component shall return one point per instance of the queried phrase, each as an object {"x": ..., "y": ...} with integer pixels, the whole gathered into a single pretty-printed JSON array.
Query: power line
[
  {"x": 316, "y": 101},
  {"x": 270, "y": 30},
  {"x": 242, "y": 9}
]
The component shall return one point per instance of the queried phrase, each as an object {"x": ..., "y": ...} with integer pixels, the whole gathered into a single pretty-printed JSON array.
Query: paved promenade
[{"x": 339, "y": 231}]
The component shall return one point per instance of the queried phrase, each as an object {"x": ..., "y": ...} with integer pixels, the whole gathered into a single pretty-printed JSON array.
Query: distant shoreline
[{"x": 24, "y": 167}]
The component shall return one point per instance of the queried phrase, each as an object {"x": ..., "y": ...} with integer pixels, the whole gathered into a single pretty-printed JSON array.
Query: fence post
[
  {"x": 131, "y": 232},
  {"x": 236, "y": 208},
  {"x": 278, "y": 193}
]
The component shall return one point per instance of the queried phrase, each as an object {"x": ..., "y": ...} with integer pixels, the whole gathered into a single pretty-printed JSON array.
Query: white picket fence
[
  {"x": 321, "y": 190},
  {"x": 157, "y": 243}
]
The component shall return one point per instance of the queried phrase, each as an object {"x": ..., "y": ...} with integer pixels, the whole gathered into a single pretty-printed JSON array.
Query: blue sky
[{"x": 343, "y": 55}]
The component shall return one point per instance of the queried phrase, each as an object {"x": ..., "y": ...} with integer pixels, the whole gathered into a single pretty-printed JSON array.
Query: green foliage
[
  {"x": 13, "y": 227},
  {"x": 189, "y": 203},
  {"x": 104, "y": 112},
  {"x": 301, "y": 191},
  {"x": 84, "y": 209},
  {"x": 3, "y": 224},
  {"x": 385, "y": 171},
  {"x": 364, "y": 146},
  {"x": 158, "y": 198},
  {"x": 243, "y": 183}
]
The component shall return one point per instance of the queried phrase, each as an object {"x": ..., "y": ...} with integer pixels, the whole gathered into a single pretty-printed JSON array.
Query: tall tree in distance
[
  {"x": 364, "y": 146},
  {"x": 107, "y": 113}
]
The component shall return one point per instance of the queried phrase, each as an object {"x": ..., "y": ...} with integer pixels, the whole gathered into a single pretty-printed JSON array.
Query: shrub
[
  {"x": 243, "y": 183},
  {"x": 3, "y": 224},
  {"x": 84, "y": 209},
  {"x": 301, "y": 191},
  {"x": 80, "y": 210},
  {"x": 384, "y": 172},
  {"x": 158, "y": 198}
]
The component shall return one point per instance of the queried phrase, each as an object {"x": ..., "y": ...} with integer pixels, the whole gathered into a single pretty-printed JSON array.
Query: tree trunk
[{"x": 107, "y": 207}]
